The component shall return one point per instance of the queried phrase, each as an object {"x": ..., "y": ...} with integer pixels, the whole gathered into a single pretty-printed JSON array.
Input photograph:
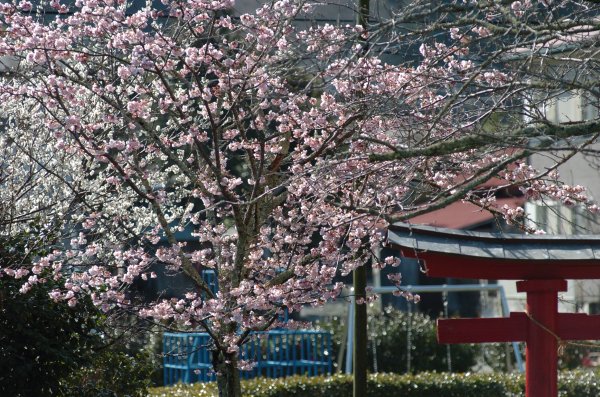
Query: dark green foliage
[
  {"x": 40, "y": 341},
  {"x": 388, "y": 335},
  {"x": 579, "y": 383},
  {"x": 571, "y": 384},
  {"x": 51, "y": 349},
  {"x": 110, "y": 374}
]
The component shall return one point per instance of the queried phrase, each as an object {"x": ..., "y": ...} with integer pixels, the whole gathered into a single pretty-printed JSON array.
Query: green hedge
[{"x": 571, "y": 384}]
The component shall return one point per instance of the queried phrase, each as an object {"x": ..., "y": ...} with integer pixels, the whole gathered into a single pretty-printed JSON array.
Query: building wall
[{"x": 555, "y": 218}]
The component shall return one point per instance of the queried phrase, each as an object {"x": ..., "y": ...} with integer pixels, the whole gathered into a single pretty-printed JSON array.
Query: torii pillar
[{"x": 542, "y": 263}]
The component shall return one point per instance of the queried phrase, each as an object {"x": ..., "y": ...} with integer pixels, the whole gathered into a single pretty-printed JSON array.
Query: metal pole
[
  {"x": 359, "y": 387},
  {"x": 409, "y": 340},
  {"x": 350, "y": 340},
  {"x": 360, "y": 332},
  {"x": 448, "y": 351}
]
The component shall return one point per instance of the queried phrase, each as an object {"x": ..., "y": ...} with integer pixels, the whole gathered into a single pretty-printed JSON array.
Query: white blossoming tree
[{"x": 285, "y": 146}]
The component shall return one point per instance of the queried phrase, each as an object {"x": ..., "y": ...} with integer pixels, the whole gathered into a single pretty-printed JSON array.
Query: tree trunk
[{"x": 228, "y": 375}]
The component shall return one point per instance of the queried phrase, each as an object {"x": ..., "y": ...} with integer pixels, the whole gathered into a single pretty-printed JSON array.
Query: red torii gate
[{"x": 542, "y": 263}]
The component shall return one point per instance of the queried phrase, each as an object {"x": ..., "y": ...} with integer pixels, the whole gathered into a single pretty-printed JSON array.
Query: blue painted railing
[{"x": 276, "y": 353}]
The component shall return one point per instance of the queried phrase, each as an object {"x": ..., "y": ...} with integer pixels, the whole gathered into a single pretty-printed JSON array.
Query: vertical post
[
  {"x": 359, "y": 388},
  {"x": 409, "y": 339},
  {"x": 541, "y": 378},
  {"x": 360, "y": 332},
  {"x": 350, "y": 335},
  {"x": 448, "y": 349}
]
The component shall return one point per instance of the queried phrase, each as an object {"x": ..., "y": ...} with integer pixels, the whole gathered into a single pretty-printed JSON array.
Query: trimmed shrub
[{"x": 426, "y": 384}]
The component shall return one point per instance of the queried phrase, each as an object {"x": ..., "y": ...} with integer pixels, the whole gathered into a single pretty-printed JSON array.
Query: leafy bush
[
  {"x": 48, "y": 348},
  {"x": 41, "y": 341},
  {"x": 389, "y": 333},
  {"x": 426, "y": 384},
  {"x": 388, "y": 343},
  {"x": 111, "y": 373}
]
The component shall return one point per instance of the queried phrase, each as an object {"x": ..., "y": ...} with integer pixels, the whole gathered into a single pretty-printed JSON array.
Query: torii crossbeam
[{"x": 542, "y": 263}]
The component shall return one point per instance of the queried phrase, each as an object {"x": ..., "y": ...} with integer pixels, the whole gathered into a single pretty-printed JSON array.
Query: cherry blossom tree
[{"x": 286, "y": 145}]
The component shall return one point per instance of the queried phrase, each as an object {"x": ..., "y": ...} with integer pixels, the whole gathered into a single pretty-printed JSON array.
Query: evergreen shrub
[
  {"x": 51, "y": 349},
  {"x": 387, "y": 351},
  {"x": 426, "y": 384}
]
